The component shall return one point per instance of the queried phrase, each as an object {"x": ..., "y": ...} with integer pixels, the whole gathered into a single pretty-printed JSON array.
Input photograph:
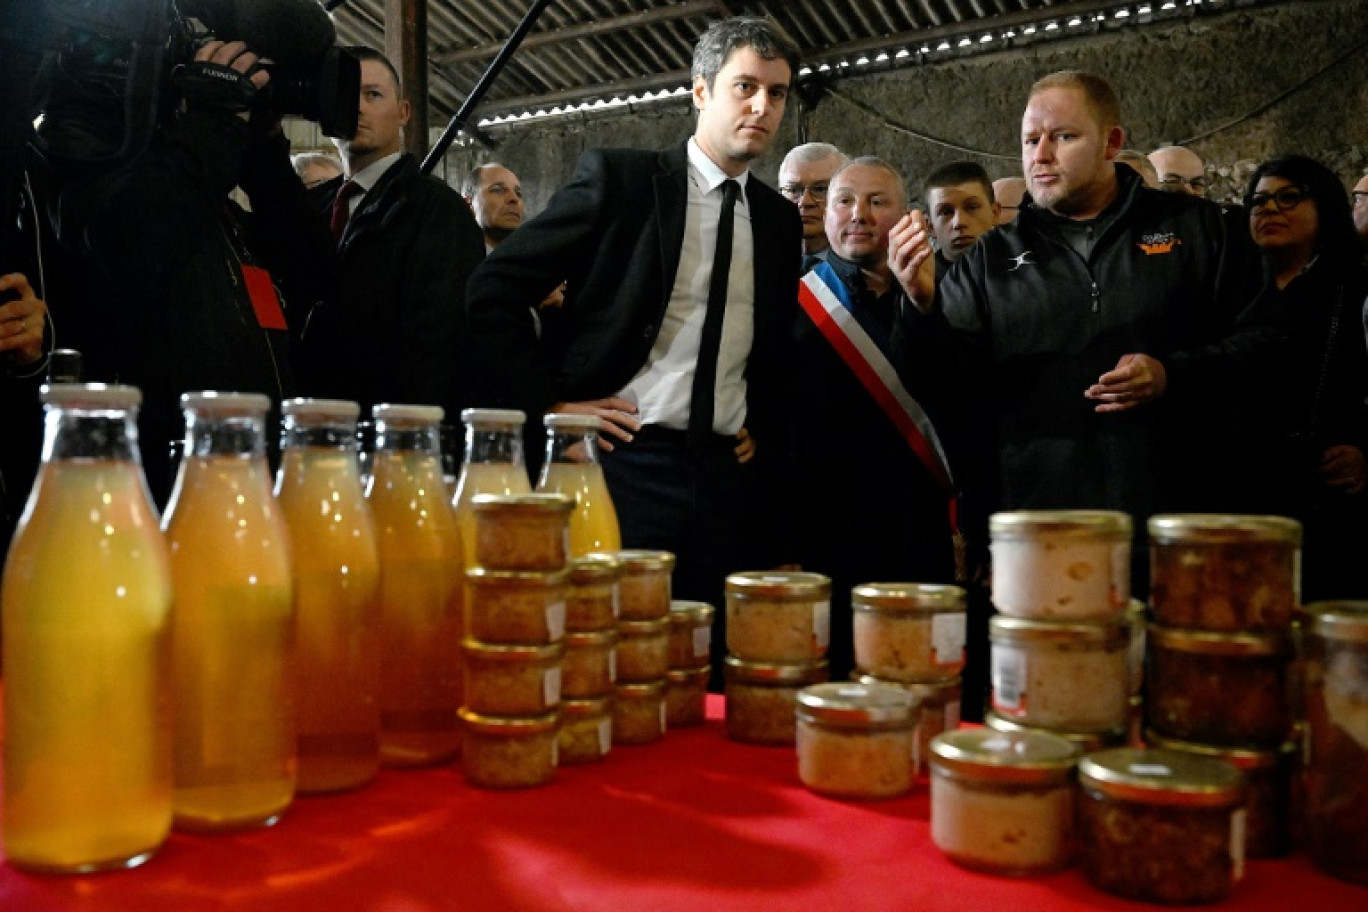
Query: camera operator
[{"x": 165, "y": 283}]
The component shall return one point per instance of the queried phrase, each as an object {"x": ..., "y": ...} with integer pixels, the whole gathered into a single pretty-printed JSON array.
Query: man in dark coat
[
  {"x": 393, "y": 327},
  {"x": 636, "y": 233}
]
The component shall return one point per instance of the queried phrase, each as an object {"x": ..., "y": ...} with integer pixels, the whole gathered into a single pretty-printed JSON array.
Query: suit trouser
[{"x": 700, "y": 506}]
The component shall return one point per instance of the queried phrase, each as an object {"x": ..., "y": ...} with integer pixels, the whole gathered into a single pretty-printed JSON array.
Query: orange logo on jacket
[{"x": 1154, "y": 244}]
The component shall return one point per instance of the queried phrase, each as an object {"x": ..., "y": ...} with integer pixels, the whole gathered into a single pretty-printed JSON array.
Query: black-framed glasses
[
  {"x": 1282, "y": 200},
  {"x": 795, "y": 192},
  {"x": 1360, "y": 197},
  {"x": 1174, "y": 181}
]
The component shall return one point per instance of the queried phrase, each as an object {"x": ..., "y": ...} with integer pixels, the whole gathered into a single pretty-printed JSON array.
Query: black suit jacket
[
  {"x": 392, "y": 326},
  {"x": 614, "y": 234}
]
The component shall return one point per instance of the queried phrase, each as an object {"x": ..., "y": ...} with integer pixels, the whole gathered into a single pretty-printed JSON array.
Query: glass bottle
[
  {"x": 86, "y": 602},
  {"x": 572, "y": 467},
  {"x": 493, "y": 464},
  {"x": 232, "y": 689},
  {"x": 336, "y": 562},
  {"x": 422, "y": 576}
]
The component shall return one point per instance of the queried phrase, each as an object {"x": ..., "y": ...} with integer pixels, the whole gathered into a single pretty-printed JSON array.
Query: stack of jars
[
  {"x": 778, "y": 627},
  {"x": 515, "y": 630},
  {"x": 912, "y": 635},
  {"x": 643, "y": 650},
  {"x": 1220, "y": 649},
  {"x": 690, "y": 646},
  {"x": 590, "y": 663},
  {"x": 1060, "y": 648}
]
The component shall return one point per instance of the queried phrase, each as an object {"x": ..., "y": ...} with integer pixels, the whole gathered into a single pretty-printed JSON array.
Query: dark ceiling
[{"x": 582, "y": 53}]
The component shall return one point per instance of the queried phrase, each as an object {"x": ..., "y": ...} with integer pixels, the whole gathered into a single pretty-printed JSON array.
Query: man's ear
[
  {"x": 405, "y": 111},
  {"x": 700, "y": 93},
  {"x": 1115, "y": 142}
]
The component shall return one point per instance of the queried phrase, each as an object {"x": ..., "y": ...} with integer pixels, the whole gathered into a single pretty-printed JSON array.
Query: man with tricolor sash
[{"x": 876, "y": 482}]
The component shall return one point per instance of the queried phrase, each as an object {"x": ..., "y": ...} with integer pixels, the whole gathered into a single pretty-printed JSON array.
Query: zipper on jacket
[{"x": 1096, "y": 297}]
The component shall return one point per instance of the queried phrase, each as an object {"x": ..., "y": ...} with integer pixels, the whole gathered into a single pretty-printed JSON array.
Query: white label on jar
[
  {"x": 1120, "y": 568},
  {"x": 1237, "y": 843},
  {"x": 821, "y": 623},
  {"x": 952, "y": 715},
  {"x": 1009, "y": 679},
  {"x": 702, "y": 639},
  {"x": 551, "y": 686},
  {"x": 555, "y": 620},
  {"x": 605, "y": 733},
  {"x": 616, "y": 600},
  {"x": 612, "y": 665},
  {"x": 947, "y": 638}
]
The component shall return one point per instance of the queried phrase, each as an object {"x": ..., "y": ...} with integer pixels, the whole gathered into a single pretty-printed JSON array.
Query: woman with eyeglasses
[{"x": 1313, "y": 424}]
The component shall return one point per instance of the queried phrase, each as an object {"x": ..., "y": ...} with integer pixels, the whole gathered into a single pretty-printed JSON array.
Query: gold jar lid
[
  {"x": 924, "y": 693},
  {"x": 557, "y": 421},
  {"x": 509, "y": 726},
  {"x": 420, "y": 414},
  {"x": 597, "y": 567},
  {"x": 1222, "y": 644},
  {"x": 639, "y": 561},
  {"x": 339, "y": 409},
  {"x": 855, "y": 705},
  {"x": 781, "y": 585},
  {"x": 697, "y": 675},
  {"x": 690, "y": 614},
  {"x": 651, "y": 627},
  {"x": 586, "y": 708},
  {"x": 1003, "y": 758},
  {"x": 907, "y": 598},
  {"x": 531, "y": 655},
  {"x": 1246, "y": 758},
  {"x": 1005, "y": 629},
  {"x": 591, "y": 639},
  {"x": 1160, "y": 776},
  {"x": 1028, "y": 524},
  {"x": 1346, "y": 621},
  {"x": 523, "y": 504},
  {"x": 487, "y": 417},
  {"x": 641, "y": 690},
  {"x": 776, "y": 675},
  {"x": 515, "y": 579},
  {"x": 1222, "y": 529},
  {"x": 1083, "y": 741}
]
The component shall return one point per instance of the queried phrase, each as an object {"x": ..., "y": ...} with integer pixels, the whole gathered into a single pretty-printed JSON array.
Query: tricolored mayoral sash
[{"x": 827, "y": 303}]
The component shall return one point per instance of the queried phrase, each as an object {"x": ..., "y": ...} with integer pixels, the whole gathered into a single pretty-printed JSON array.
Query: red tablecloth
[{"x": 692, "y": 822}]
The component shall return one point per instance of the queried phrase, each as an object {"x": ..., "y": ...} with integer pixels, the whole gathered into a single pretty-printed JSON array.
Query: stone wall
[{"x": 1177, "y": 81}]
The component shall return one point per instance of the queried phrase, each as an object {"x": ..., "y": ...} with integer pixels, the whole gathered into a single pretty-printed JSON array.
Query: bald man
[
  {"x": 1180, "y": 170},
  {"x": 1008, "y": 192}
]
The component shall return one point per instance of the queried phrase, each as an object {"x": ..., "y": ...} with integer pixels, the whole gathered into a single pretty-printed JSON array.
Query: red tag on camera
[{"x": 265, "y": 303}]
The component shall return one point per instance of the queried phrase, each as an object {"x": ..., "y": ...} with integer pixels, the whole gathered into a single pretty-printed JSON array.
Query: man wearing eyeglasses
[
  {"x": 1180, "y": 170},
  {"x": 804, "y": 176},
  {"x": 1360, "y": 196}
]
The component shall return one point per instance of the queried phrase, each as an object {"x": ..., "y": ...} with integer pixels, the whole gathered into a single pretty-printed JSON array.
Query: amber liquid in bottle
[
  {"x": 422, "y": 571},
  {"x": 232, "y": 686},
  {"x": 337, "y": 597},
  {"x": 86, "y": 602}
]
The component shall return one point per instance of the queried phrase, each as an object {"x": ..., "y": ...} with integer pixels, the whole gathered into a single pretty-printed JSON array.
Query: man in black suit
[
  {"x": 392, "y": 328},
  {"x": 635, "y": 233}
]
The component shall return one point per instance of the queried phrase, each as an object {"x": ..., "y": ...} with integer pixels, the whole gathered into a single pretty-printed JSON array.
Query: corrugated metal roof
[{"x": 580, "y": 53}]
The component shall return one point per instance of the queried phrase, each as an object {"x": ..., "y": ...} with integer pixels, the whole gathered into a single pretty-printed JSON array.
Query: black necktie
[{"x": 703, "y": 405}]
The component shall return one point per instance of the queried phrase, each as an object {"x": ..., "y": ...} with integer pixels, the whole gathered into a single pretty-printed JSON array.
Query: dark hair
[
  {"x": 722, "y": 39},
  {"x": 959, "y": 172},
  {"x": 1335, "y": 234},
  {"x": 363, "y": 52}
]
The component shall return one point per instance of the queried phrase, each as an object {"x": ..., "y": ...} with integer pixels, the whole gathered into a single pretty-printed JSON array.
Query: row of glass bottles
[{"x": 315, "y": 633}]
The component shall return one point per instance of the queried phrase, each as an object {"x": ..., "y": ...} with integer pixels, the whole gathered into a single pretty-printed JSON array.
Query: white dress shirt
[
  {"x": 662, "y": 389},
  {"x": 367, "y": 177}
]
